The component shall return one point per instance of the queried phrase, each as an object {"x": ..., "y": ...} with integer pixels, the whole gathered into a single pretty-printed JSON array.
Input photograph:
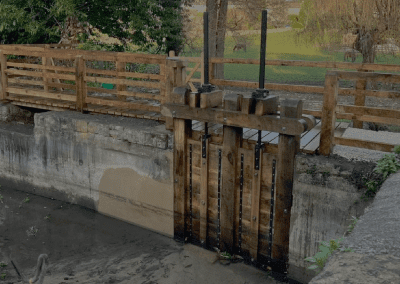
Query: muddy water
[{"x": 86, "y": 247}]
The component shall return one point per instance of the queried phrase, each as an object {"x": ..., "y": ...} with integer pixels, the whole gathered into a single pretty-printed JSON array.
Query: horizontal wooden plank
[
  {"x": 125, "y": 74},
  {"x": 25, "y": 104},
  {"x": 378, "y": 146},
  {"x": 24, "y": 81},
  {"x": 41, "y": 74},
  {"x": 42, "y": 67},
  {"x": 38, "y": 93},
  {"x": 289, "y": 126},
  {"x": 122, "y": 82},
  {"x": 375, "y": 119},
  {"x": 304, "y": 63},
  {"x": 129, "y": 105},
  {"x": 370, "y": 111}
]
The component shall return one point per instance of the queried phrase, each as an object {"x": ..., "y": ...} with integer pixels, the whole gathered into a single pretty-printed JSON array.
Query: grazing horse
[
  {"x": 240, "y": 46},
  {"x": 351, "y": 54}
]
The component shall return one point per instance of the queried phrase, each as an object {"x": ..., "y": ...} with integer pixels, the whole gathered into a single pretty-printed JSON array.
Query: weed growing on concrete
[
  {"x": 351, "y": 226},
  {"x": 48, "y": 217},
  {"x": 2, "y": 264},
  {"x": 3, "y": 276},
  {"x": 385, "y": 166},
  {"x": 26, "y": 200},
  {"x": 1, "y": 198},
  {"x": 312, "y": 171},
  {"x": 326, "y": 249}
]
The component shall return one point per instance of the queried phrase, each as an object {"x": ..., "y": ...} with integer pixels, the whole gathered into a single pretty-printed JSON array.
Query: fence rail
[{"x": 174, "y": 71}]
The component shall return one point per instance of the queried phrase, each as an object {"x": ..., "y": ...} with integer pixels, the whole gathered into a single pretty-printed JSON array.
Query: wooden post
[
  {"x": 45, "y": 62},
  {"x": 294, "y": 111},
  {"x": 284, "y": 185},
  {"x": 231, "y": 143},
  {"x": 121, "y": 87},
  {"x": 329, "y": 113},
  {"x": 79, "y": 79},
  {"x": 359, "y": 99},
  {"x": 182, "y": 131},
  {"x": 4, "y": 81}
]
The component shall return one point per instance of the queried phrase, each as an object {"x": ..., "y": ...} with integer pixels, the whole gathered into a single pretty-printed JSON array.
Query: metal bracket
[
  {"x": 205, "y": 137},
  {"x": 258, "y": 148},
  {"x": 260, "y": 93}
]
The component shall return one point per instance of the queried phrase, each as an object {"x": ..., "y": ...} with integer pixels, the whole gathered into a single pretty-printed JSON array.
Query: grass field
[{"x": 282, "y": 46}]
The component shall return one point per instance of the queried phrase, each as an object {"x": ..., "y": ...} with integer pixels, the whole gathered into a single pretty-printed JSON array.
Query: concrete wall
[
  {"x": 117, "y": 166},
  {"x": 122, "y": 167}
]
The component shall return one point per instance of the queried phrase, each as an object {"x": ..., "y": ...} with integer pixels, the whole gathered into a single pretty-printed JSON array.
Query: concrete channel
[{"x": 122, "y": 168}]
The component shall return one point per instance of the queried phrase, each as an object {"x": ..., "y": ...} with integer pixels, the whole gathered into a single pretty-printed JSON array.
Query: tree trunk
[
  {"x": 366, "y": 45},
  {"x": 217, "y": 11}
]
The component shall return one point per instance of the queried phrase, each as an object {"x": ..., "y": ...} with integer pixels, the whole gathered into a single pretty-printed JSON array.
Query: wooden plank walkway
[
  {"x": 62, "y": 105},
  {"x": 309, "y": 142}
]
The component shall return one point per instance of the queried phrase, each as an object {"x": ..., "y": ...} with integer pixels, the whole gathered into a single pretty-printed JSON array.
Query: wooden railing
[
  {"x": 80, "y": 74},
  {"x": 359, "y": 112},
  {"x": 174, "y": 72},
  {"x": 361, "y": 67}
]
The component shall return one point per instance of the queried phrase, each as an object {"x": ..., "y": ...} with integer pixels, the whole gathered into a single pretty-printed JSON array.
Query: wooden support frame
[
  {"x": 4, "y": 81},
  {"x": 80, "y": 90},
  {"x": 284, "y": 184},
  {"x": 231, "y": 142},
  {"x": 329, "y": 113}
]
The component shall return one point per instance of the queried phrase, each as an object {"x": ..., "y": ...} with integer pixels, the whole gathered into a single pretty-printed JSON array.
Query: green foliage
[
  {"x": 387, "y": 165},
  {"x": 3, "y": 275},
  {"x": 2, "y": 264},
  {"x": 26, "y": 200},
  {"x": 39, "y": 21},
  {"x": 353, "y": 223},
  {"x": 326, "y": 249}
]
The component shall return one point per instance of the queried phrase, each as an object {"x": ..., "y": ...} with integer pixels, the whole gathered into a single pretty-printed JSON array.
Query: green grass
[{"x": 282, "y": 46}]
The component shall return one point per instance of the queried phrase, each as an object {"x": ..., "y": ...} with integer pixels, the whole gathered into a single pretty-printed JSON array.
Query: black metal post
[
  {"x": 261, "y": 92},
  {"x": 206, "y": 87},
  {"x": 205, "y": 21}
]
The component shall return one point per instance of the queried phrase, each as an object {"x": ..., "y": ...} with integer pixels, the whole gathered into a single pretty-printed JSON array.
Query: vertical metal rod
[
  {"x": 191, "y": 192},
  {"x": 271, "y": 218},
  {"x": 219, "y": 194},
  {"x": 240, "y": 205},
  {"x": 206, "y": 70},
  {"x": 263, "y": 49}
]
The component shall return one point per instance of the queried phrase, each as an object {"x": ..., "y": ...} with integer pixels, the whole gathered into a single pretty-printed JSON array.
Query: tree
[
  {"x": 217, "y": 22},
  {"x": 373, "y": 21},
  {"x": 42, "y": 21}
]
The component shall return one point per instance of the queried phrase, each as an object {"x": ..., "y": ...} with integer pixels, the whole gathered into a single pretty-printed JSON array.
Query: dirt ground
[{"x": 86, "y": 247}]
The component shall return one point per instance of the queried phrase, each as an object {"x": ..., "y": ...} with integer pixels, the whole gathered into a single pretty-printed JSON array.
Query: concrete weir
[{"x": 122, "y": 167}]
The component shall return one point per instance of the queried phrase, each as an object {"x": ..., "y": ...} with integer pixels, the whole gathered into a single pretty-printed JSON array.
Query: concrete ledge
[{"x": 375, "y": 241}]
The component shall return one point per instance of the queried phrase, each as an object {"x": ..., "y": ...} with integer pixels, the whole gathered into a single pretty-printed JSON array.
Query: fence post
[
  {"x": 329, "y": 113},
  {"x": 359, "y": 99},
  {"x": 79, "y": 79},
  {"x": 173, "y": 78},
  {"x": 45, "y": 62},
  {"x": 120, "y": 66},
  {"x": 284, "y": 184},
  {"x": 4, "y": 81}
]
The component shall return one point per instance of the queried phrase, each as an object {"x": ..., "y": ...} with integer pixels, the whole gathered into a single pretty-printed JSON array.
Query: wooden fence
[
  {"x": 358, "y": 113},
  {"x": 145, "y": 105},
  {"x": 174, "y": 72}
]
